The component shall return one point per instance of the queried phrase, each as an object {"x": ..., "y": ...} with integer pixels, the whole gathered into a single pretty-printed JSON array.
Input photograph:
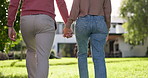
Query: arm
[
  {"x": 13, "y": 7},
  {"x": 107, "y": 12},
  {"x": 74, "y": 13},
  {"x": 73, "y": 16},
  {"x": 63, "y": 9}
]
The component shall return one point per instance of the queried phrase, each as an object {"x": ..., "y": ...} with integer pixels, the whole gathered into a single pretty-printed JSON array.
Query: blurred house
[{"x": 115, "y": 46}]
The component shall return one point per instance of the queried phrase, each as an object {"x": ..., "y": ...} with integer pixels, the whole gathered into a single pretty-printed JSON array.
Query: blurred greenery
[
  {"x": 5, "y": 43},
  {"x": 136, "y": 14},
  {"x": 67, "y": 68}
]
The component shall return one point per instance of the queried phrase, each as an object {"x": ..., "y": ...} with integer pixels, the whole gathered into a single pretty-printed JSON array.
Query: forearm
[
  {"x": 108, "y": 21},
  {"x": 107, "y": 12},
  {"x": 68, "y": 24},
  {"x": 63, "y": 9},
  {"x": 12, "y": 10},
  {"x": 73, "y": 13}
]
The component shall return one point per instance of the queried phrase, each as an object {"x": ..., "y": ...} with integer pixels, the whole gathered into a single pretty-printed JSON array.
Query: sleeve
[
  {"x": 12, "y": 11},
  {"x": 63, "y": 9},
  {"x": 107, "y": 12},
  {"x": 73, "y": 13}
]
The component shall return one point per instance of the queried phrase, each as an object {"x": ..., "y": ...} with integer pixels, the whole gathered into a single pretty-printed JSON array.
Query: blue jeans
[{"x": 91, "y": 28}]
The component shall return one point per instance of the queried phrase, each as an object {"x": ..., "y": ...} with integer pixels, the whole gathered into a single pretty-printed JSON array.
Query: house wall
[
  {"x": 60, "y": 39},
  {"x": 129, "y": 50},
  {"x": 126, "y": 49}
]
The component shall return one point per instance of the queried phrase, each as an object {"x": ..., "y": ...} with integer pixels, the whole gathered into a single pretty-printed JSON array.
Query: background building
[{"x": 115, "y": 46}]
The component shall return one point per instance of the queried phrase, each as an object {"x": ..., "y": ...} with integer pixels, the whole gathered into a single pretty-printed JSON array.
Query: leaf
[{"x": 136, "y": 14}]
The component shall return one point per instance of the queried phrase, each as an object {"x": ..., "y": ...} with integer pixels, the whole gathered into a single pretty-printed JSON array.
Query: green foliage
[
  {"x": 5, "y": 43},
  {"x": 136, "y": 14}
]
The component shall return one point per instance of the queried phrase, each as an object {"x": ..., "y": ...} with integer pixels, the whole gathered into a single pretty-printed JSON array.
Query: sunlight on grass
[{"x": 67, "y": 68}]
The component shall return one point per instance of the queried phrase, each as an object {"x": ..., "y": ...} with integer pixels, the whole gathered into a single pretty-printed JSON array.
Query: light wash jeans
[
  {"x": 93, "y": 28},
  {"x": 38, "y": 32}
]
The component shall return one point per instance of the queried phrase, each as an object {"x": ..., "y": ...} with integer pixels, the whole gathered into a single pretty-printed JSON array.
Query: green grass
[{"x": 67, "y": 68}]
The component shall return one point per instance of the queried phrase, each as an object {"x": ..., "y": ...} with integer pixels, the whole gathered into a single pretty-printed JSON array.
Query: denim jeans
[{"x": 93, "y": 28}]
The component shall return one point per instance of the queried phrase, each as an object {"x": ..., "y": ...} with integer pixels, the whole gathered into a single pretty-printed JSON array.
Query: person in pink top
[
  {"x": 38, "y": 27},
  {"x": 92, "y": 24}
]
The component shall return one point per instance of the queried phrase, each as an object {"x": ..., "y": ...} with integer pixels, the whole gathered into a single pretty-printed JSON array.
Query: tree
[
  {"x": 136, "y": 14},
  {"x": 5, "y": 43}
]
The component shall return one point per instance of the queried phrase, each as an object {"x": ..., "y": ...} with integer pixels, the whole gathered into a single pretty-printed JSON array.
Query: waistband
[{"x": 91, "y": 17}]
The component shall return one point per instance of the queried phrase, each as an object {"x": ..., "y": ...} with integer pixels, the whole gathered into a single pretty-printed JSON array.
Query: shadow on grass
[
  {"x": 13, "y": 64},
  {"x": 9, "y": 76},
  {"x": 70, "y": 63},
  {"x": 110, "y": 61},
  {"x": 117, "y": 61},
  {"x": 12, "y": 76}
]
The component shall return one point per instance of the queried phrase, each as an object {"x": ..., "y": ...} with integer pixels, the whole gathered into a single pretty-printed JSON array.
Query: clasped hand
[
  {"x": 67, "y": 32},
  {"x": 12, "y": 33}
]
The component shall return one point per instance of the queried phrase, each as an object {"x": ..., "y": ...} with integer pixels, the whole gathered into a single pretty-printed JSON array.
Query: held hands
[
  {"x": 107, "y": 38},
  {"x": 67, "y": 32},
  {"x": 12, "y": 33}
]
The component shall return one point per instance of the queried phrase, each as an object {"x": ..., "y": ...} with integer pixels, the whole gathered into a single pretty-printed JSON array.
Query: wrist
[
  {"x": 67, "y": 27},
  {"x": 9, "y": 26}
]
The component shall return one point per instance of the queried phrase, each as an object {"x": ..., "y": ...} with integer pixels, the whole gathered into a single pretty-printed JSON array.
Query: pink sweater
[{"x": 32, "y": 7}]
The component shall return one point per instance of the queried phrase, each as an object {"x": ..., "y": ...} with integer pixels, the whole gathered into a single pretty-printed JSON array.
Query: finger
[
  {"x": 69, "y": 36},
  {"x": 65, "y": 35},
  {"x": 12, "y": 37},
  {"x": 11, "y": 34}
]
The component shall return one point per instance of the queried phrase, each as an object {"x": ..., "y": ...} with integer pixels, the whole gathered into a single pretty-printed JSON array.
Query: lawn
[{"x": 67, "y": 68}]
